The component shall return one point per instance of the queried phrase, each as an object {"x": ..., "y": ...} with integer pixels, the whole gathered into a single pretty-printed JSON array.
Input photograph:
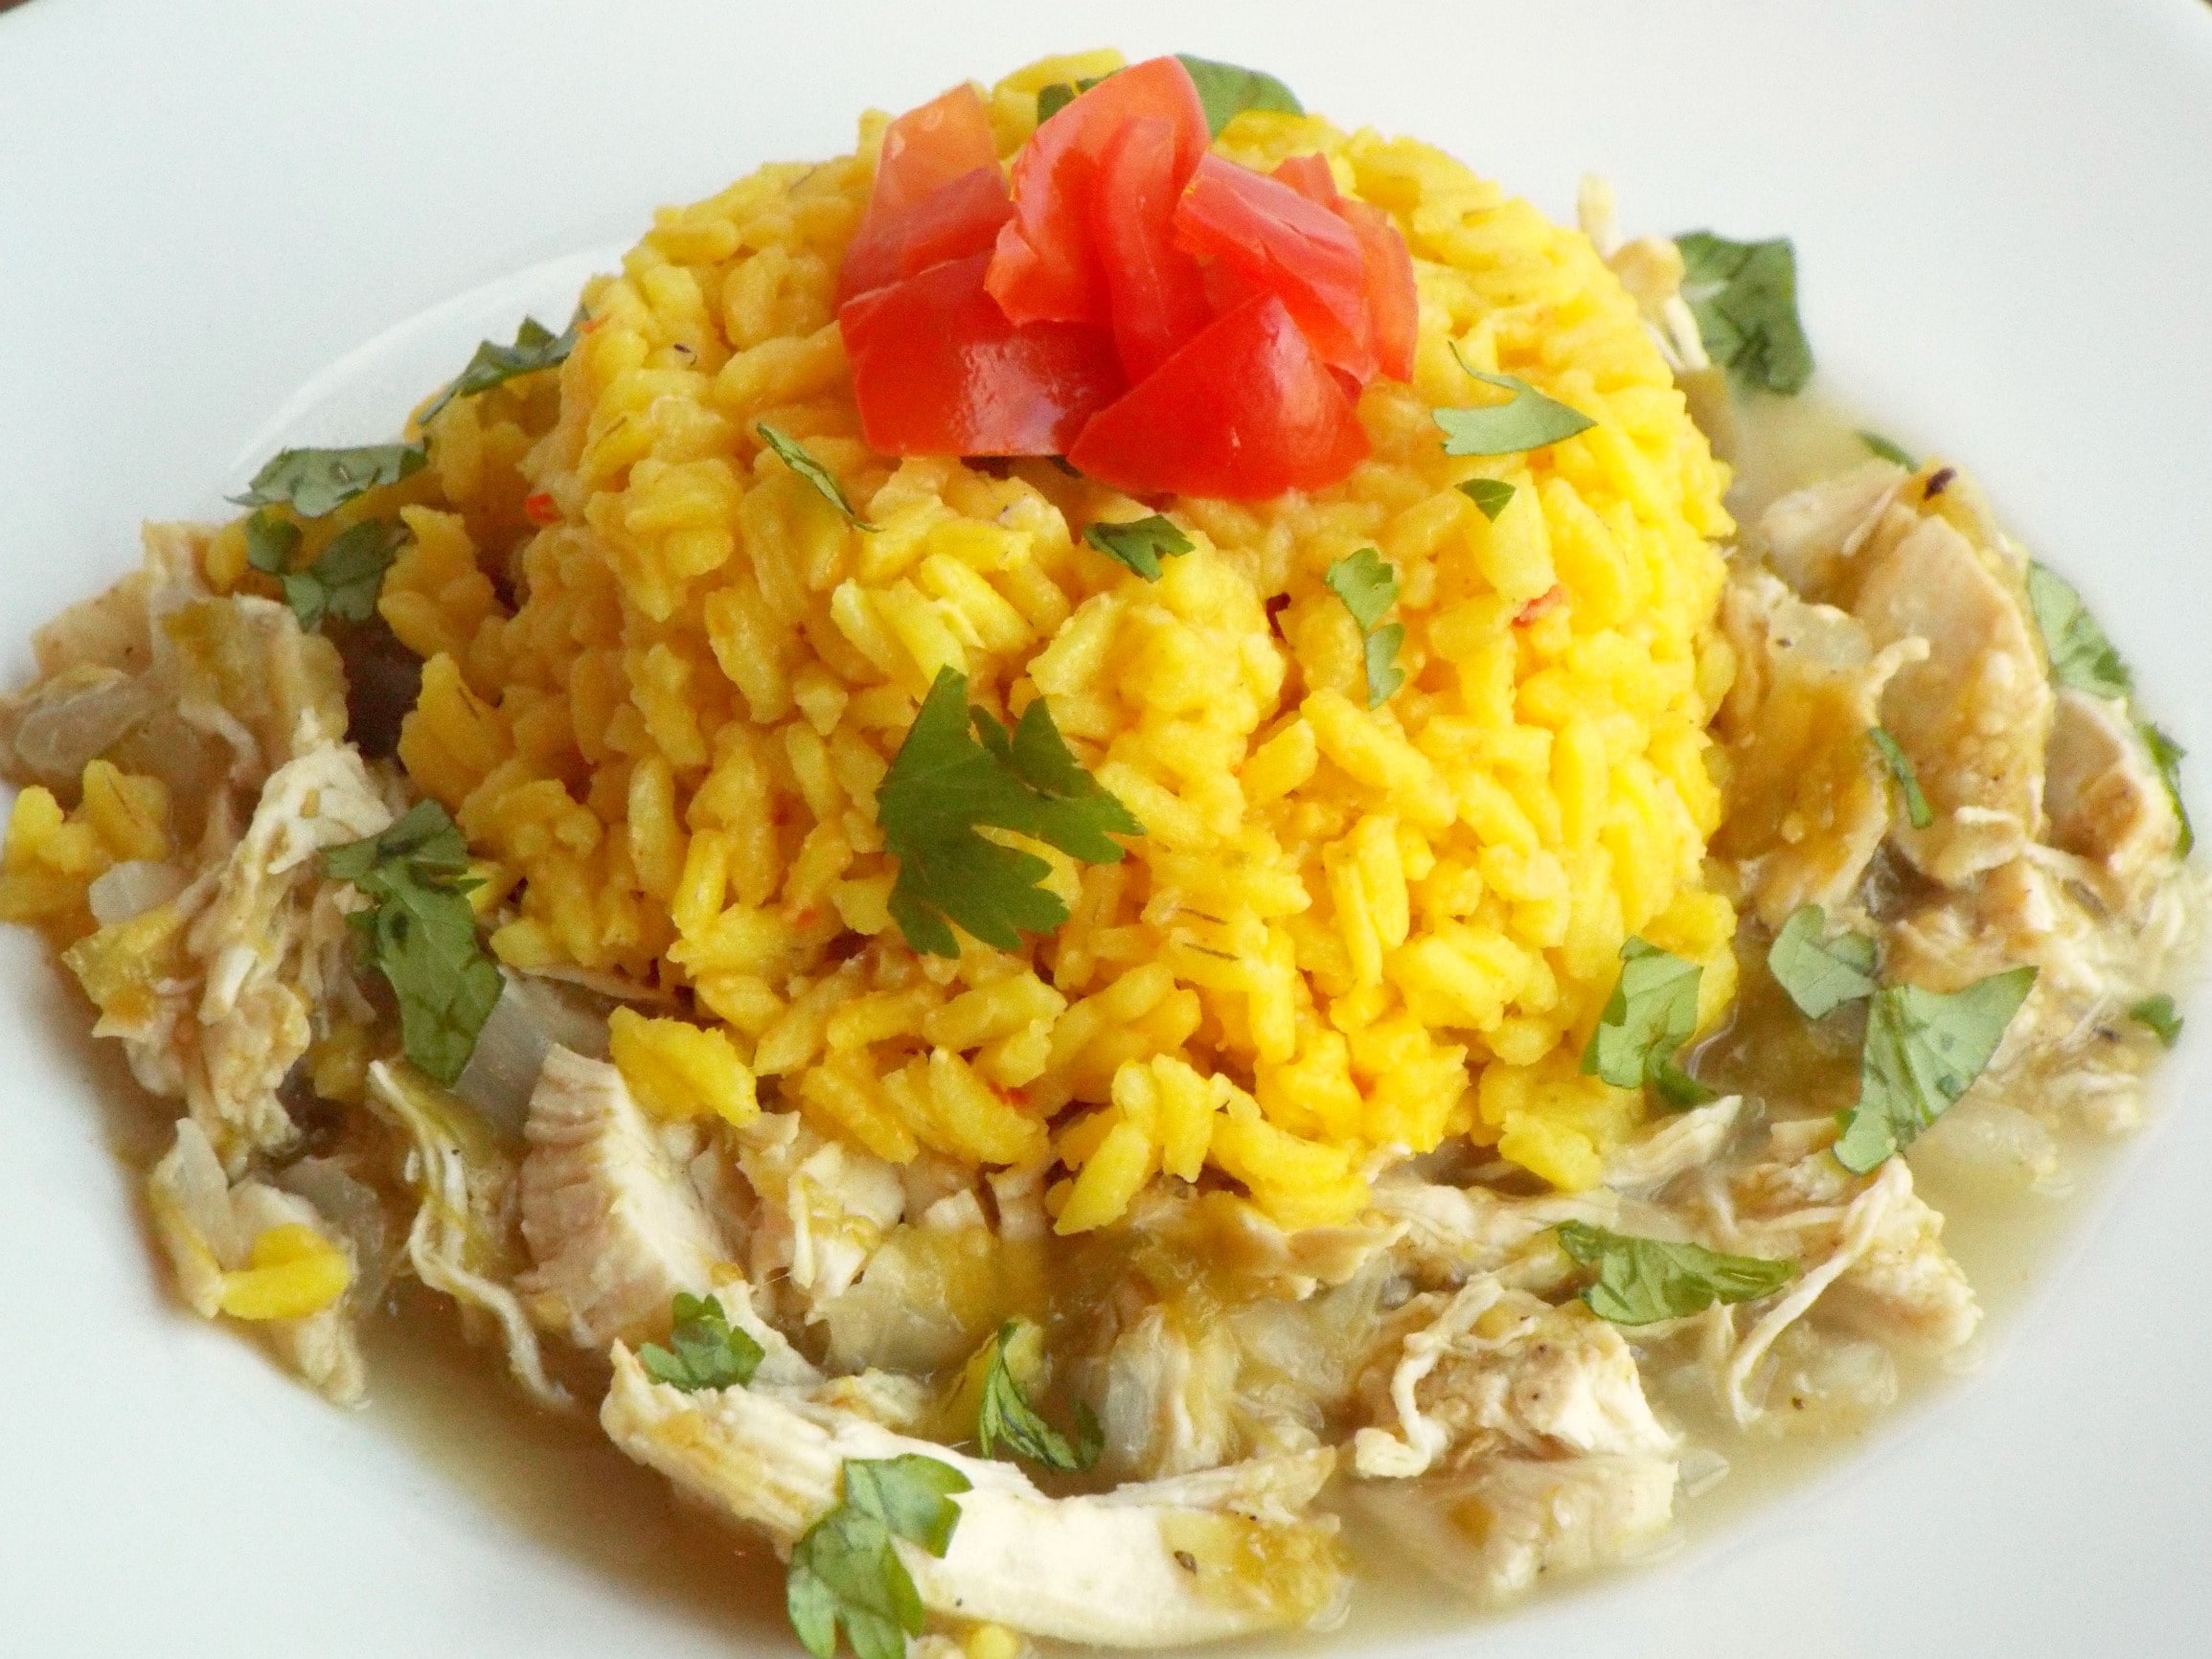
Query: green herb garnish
[
  {"x": 535, "y": 346},
  {"x": 2157, "y": 1014},
  {"x": 347, "y": 575},
  {"x": 1526, "y": 420},
  {"x": 703, "y": 1352},
  {"x": 2081, "y": 655},
  {"x": 1368, "y": 586},
  {"x": 795, "y": 456},
  {"x": 845, "y": 1568},
  {"x": 1877, "y": 444},
  {"x": 1820, "y": 974},
  {"x": 2167, "y": 755},
  {"x": 1922, "y": 1050},
  {"x": 421, "y": 934},
  {"x": 1744, "y": 298},
  {"x": 1917, "y": 812},
  {"x": 1005, "y": 1418},
  {"x": 1139, "y": 543},
  {"x": 1651, "y": 1014},
  {"x": 1643, "y": 1281},
  {"x": 316, "y": 481},
  {"x": 960, "y": 771},
  {"x": 1489, "y": 494},
  {"x": 1228, "y": 91}
]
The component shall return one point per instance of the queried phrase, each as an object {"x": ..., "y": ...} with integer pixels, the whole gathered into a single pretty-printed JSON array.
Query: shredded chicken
[
  {"x": 825, "y": 1208},
  {"x": 2106, "y": 803}
]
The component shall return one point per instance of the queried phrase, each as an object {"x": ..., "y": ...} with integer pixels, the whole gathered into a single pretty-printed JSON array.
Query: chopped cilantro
[
  {"x": 845, "y": 1568},
  {"x": 1744, "y": 298},
  {"x": 535, "y": 346},
  {"x": 421, "y": 934},
  {"x": 1140, "y": 543},
  {"x": 1917, "y": 812},
  {"x": 2081, "y": 655},
  {"x": 347, "y": 575},
  {"x": 1643, "y": 1281},
  {"x": 1053, "y": 99},
  {"x": 1368, "y": 586},
  {"x": 1228, "y": 91},
  {"x": 1491, "y": 494},
  {"x": 2157, "y": 1014},
  {"x": 1819, "y": 973},
  {"x": 1526, "y": 420},
  {"x": 316, "y": 481},
  {"x": 1005, "y": 1418},
  {"x": 1651, "y": 1014},
  {"x": 1877, "y": 444},
  {"x": 2168, "y": 756},
  {"x": 1923, "y": 1050},
  {"x": 959, "y": 771},
  {"x": 703, "y": 1352},
  {"x": 794, "y": 456}
]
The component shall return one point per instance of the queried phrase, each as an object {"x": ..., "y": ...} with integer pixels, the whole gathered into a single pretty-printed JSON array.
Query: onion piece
[
  {"x": 530, "y": 1016},
  {"x": 132, "y": 888}
]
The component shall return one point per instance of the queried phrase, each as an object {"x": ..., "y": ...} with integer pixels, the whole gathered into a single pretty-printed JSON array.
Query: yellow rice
[{"x": 1345, "y": 933}]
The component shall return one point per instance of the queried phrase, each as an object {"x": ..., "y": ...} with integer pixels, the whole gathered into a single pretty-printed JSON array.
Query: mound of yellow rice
[{"x": 1346, "y": 933}]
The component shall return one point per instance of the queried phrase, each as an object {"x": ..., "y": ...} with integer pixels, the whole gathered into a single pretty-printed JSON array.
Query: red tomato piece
[
  {"x": 1290, "y": 245},
  {"x": 1393, "y": 304},
  {"x": 1154, "y": 290},
  {"x": 928, "y": 148},
  {"x": 1245, "y": 411},
  {"x": 939, "y": 370},
  {"x": 950, "y": 222},
  {"x": 1047, "y": 268},
  {"x": 1310, "y": 176}
]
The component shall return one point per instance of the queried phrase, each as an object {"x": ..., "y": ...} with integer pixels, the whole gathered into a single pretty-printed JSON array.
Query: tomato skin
[
  {"x": 953, "y": 221},
  {"x": 1244, "y": 411},
  {"x": 1046, "y": 268},
  {"x": 1156, "y": 292},
  {"x": 931, "y": 146},
  {"x": 1292, "y": 246},
  {"x": 1310, "y": 176},
  {"x": 1393, "y": 303},
  {"x": 939, "y": 370}
]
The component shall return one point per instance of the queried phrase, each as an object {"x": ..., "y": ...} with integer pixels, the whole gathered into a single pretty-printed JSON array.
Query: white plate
[{"x": 2003, "y": 212}]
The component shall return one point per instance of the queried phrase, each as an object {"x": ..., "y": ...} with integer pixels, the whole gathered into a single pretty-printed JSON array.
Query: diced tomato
[
  {"x": 950, "y": 222},
  {"x": 930, "y": 146},
  {"x": 1047, "y": 268},
  {"x": 1393, "y": 305},
  {"x": 1154, "y": 290},
  {"x": 540, "y": 507},
  {"x": 1245, "y": 411},
  {"x": 1310, "y": 176},
  {"x": 1287, "y": 245},
  {"x": 939, "y": 370}
]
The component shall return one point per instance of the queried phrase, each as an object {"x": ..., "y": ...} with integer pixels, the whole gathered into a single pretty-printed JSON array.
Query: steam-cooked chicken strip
[{"x": 2106, "y": 799}]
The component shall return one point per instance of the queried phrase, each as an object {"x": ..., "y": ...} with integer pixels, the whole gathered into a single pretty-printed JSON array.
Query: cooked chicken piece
[
  {"x": 825, "y": 1208},
  {"x": 1452, "y": 1233},
  {"x": 1824, "y": 1382},
  {"x": 2106, "y": 799},
  {"x": 466, "y": 1240},
  {"x": 1678, "y": 1143},
  {"x": 1489, "y": 1370},
  {"x": 1193, "y": 1560},
  {"x": 1169, "y": 1392},
  {"x": 1973, "y": 715},
  {"x": 1984, "y": 1144},
  {"x": 614, "y": 1225},
  {"x": 1809, "y": 801},
  {"x": 209, "y": 1228},
  {"x": 1812, "y": 533},
  {"x": 1495, "y": 1529}
]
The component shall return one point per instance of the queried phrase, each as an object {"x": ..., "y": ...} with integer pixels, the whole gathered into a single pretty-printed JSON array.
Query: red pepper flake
[
  {"x": 1555, "y": 594},
  {"x": 539, "y": 509},
  {"x": 1938, "y": 482}
]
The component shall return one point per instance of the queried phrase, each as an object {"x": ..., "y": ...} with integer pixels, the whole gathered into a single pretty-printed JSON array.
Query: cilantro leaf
[
  {"x": 1526, "y": 420},
  {"x": 421, "y": 934},
  {"x": 1139, "y": 543},
  {"x": 347, "y": 575},
  {"x": 271, "y": 542},
  {"x": 1651, "y": 1014},
  {"x": 845, "y": 1569},
  {"x": 1819, "y": 973},
  {"x": 1743, "y": 296},
  {"x": 316, "y": 481},
  {"x": 704, "y": 1350},
  {"x": 1489, "y": 494},
  {"x": 1923, "y": 1050},
  {"x": 1643, "y": 1281},
  {"x": 795, "y": 456},
  {"x": 1228, "y": 91},
  {"x": 1368, "y": 586},
  {"x": 1917, "y": 811},
  {"x": 535, "y": 346},
  {"x": 1005, "y": 1418},
  {"x": 1877, "y": 444},
  {"x": 2168, "y": 756},
  {"x": 960, "y": 770},
  {"x": 2081, "y": 655},
  {"x": 2157, "y": 1014}
]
